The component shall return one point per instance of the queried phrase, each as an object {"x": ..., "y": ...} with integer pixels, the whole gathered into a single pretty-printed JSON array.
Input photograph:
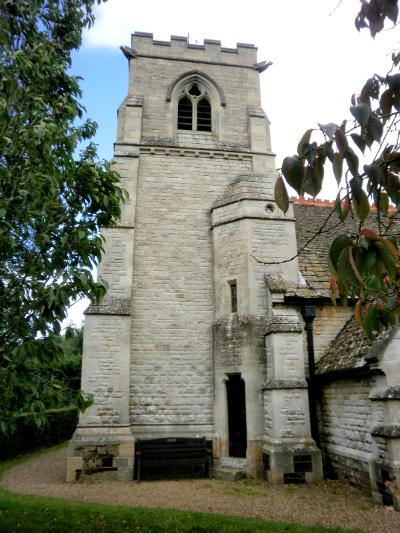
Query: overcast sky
[{"x": 319, "y": 59}]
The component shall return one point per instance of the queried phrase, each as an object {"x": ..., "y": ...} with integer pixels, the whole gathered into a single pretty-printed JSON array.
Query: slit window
[
  {"x": 194, "y": 109},
  {"x": 233, "y": 287}
]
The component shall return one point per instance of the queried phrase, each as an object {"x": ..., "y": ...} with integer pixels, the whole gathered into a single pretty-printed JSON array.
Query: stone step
[
  {"x": 227, "y": 473},
  {"x": 233, "y": 462}
]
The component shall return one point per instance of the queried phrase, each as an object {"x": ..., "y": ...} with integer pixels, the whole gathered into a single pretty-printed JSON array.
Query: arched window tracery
[{"x": 194, "y": 108}]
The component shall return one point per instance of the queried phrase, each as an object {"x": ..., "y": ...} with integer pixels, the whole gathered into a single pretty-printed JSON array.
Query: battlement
[{"x": 179, "y": 48}]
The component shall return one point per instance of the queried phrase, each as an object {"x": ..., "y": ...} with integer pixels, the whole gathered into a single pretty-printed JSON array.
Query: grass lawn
[{"x": 41, "y": 514}]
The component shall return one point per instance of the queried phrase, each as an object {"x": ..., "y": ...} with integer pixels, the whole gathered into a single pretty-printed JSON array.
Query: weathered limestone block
[{"x": 289, "y": 452}]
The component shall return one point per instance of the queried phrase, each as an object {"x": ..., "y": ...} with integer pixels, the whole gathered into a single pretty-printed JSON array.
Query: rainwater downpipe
[{"x": 309, "y": 312}]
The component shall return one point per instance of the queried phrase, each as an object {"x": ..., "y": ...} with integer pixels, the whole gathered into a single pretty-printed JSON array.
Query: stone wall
[
  {"x": 171, "y": 365},
  {"x": 328, "y": 322},
  {"x": 345, "y": 415}
]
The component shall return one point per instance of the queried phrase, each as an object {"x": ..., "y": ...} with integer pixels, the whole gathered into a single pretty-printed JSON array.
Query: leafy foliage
[
  {"x": 60, "y": 426},
  {"x": 365, "y": 265},
  {"x": 52, "y": 201}
]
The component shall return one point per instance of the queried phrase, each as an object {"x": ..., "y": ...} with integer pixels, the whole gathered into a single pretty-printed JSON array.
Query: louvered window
[
  {"x": 194, "y": 109},
  {"x": 203, "y": 115},
  {"x": 185, "y": 114}
]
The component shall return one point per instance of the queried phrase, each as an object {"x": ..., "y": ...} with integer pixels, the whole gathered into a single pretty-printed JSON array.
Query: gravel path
[{"x": 327, "y": 503}]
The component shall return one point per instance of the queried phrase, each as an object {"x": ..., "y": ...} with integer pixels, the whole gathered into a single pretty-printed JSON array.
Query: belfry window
[
  {"x": 185, "y": 114},
  {"x": 204, "y": 115},
  {"x": 194, "y": 109}
]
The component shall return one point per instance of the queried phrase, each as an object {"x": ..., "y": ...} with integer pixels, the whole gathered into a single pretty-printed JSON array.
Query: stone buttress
[{"x": 177, "y": 346}]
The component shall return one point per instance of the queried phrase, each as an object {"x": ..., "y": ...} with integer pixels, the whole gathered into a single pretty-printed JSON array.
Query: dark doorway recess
[{"x": 236, "y": 396}]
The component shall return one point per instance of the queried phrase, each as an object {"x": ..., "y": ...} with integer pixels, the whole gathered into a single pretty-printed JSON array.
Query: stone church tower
[{"x": 189, "y": 340}]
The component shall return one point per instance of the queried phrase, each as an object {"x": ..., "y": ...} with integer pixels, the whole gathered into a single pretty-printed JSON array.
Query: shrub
[{"x": 59, "y": 427}]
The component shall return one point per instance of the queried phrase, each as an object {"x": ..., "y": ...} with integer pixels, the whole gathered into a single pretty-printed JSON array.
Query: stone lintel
[
  {"x": 390, "y": 393},
  {"x": 114, "y": 306},
  {"x": 283, "y": 324},
  {"x": 289, "y": 383},
  {"x": 386, "y": 430}
]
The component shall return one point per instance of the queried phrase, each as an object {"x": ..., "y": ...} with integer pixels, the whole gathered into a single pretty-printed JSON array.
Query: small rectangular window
[{"x": 233, "y": 286}]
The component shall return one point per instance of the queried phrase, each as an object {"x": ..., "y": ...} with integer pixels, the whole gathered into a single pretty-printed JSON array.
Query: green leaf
[
  {"x": 361, "y": 205},
  {"x": 354, "y": 266},
  {"x": 344, "y": 270},
  {"x": 391, "y": 10},
  {"x": 281, "y": 195},
  {"x": 369, "y": 260},
  {"x": 337, "y": 165},
  {"x": 352, "y": 161},
  {"x": 396, "y": 100},
  {"x": 375, "y": 127},
  {"x": 310, "y": 153},
  {"x": 293, "y": 170},
  {"x": 304, "y": 140},
  {"x": 387, "y": 258},
  {"x": 393, "y": 187},
  {"x": 361, "y": 113},
  {"x": 341, "y": 141},
  {"x": 342, "y": 242},
  {"x": 373, "y": 283},
  {"x": 386, "y": 102},
  {"x": 394, "y": 159},
  {"x": 374, "y": 172},
  {"x": 383, "y": 203},
  {"x": 328, "y": 150},
  {"x": 370, "y": 322},
  {"x": 329, "y": 129},
  {"x": 360, "y": 199},
  {"x": 358, "y": 141},
  {"x": 393, "y": 82},
  {"x": 312, "y": 180}
]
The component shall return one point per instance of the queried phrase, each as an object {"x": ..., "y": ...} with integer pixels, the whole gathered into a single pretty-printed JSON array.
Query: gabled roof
[
  {"x": 347, "y": 351},
  {"x": 352, "y": 350}
]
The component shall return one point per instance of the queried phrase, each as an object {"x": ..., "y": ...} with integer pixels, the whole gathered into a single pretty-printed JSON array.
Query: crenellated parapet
[{"x": 179, "y": 49}]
